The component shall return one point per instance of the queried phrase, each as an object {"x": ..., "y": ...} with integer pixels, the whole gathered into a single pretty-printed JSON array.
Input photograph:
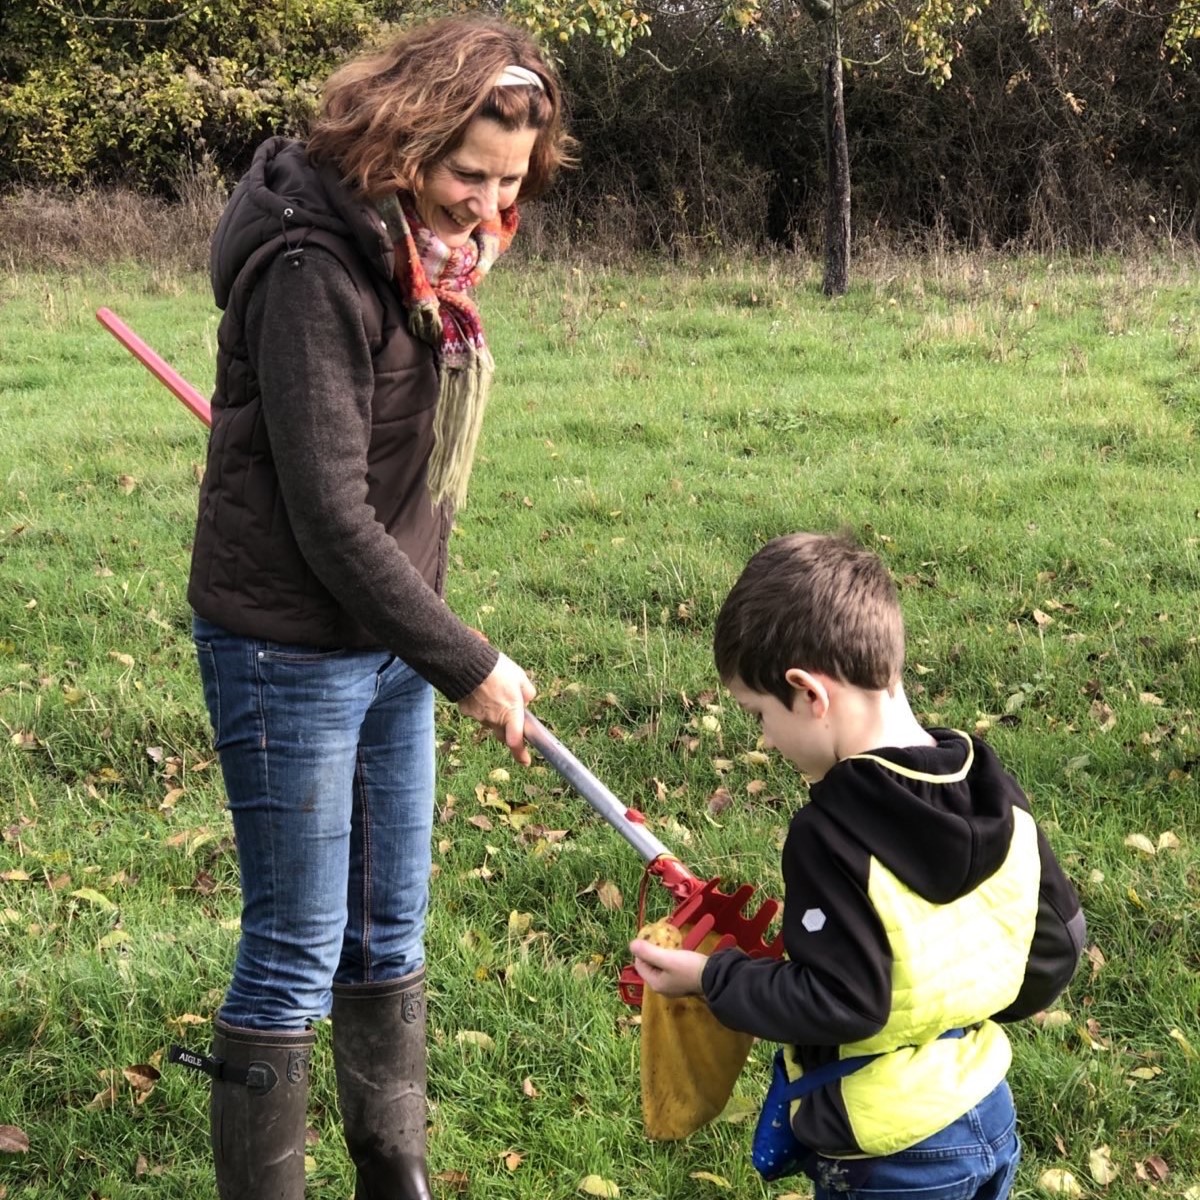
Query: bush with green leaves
[{"x": 120, "y": 93}]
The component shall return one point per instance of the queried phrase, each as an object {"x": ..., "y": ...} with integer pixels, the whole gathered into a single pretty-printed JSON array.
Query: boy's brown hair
[
  {"x": 819, "y": 602},
  {"x": 388, "y": 116}
]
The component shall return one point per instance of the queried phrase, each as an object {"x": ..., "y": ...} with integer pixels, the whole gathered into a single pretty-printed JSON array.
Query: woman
[{"x": 352, "y": 373}]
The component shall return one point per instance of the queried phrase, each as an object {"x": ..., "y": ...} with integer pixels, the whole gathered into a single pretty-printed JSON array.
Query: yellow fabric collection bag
[{"x": 689, "y": 1060}]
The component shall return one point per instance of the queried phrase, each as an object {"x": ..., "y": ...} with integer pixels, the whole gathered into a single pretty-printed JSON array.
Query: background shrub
[{"x": 699, "y": 136}]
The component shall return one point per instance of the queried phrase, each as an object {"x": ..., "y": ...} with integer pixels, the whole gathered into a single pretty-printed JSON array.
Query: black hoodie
[{"x": 941, "y": 820}]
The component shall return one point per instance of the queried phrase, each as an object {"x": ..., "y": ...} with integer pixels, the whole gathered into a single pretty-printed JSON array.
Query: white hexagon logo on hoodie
[{"x": 813, "y": 920}]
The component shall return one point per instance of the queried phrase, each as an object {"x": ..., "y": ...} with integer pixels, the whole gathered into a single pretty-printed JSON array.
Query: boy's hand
[{"x": 670, "y": 972}]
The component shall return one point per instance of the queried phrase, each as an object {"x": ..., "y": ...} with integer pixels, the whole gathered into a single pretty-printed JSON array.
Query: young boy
[{"x": 922, "y": 903}]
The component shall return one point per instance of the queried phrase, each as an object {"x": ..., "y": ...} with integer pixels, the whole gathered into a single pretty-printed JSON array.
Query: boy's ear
[{"x": 812, "y": 689}]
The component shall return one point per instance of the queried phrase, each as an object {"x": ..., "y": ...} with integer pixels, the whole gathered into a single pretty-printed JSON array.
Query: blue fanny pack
[{"x": 775, "y": 1151}]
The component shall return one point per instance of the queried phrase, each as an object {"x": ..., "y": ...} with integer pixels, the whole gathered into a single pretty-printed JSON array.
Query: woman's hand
[
  {"x": 671, "y": 972},
  {"x": 499, "y": 704}
]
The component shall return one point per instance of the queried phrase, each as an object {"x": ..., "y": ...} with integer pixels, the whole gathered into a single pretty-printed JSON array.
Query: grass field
[{"x": 1019, "y": 440}]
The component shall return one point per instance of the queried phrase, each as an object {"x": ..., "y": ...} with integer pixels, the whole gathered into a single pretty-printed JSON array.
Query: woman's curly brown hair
[{"x": 388, "y": 116}]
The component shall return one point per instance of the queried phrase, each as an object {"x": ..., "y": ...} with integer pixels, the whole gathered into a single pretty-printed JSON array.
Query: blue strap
[{"x": 839, "y": 1069}]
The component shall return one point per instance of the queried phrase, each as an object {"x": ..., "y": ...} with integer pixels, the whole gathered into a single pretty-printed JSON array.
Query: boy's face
[{"x": 802, "y": 733}]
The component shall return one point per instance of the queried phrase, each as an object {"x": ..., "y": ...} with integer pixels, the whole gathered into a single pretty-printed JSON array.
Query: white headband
[{"x": 515, "y": 76}]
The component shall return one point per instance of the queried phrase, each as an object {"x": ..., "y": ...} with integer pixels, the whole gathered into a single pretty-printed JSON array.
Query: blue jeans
[
  {"x": 975, "y": 1156},
  {"x": 328, "y": 761}
]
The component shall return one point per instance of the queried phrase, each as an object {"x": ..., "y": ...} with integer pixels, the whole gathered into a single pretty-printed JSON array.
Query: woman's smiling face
[{"x": 474, "y": 182}]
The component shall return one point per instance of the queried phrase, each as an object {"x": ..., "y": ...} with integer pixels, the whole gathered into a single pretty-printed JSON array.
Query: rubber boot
[
  {"x": 379, "y": 1056},
  {"x": 257, "y": 1112}
]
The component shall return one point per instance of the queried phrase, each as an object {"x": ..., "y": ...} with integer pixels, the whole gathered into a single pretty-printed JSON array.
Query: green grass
[{"x": 1019, "y": 440}]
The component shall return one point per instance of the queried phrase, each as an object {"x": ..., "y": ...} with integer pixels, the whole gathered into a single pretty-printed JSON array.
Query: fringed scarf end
[
  {"x": 461, "y": 404},
  {"x": 435, "y": 283}
]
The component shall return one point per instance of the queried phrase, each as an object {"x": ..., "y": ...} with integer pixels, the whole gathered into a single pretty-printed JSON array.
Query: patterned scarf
[{"x": 435, "y": 284}]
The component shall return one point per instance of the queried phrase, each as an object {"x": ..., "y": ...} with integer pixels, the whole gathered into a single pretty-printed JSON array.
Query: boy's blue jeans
[
  {"x": 328, "y": 760},
  {"x": 975, "y": 1156}
]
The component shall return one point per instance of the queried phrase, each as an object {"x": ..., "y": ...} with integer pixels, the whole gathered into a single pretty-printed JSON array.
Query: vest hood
[
  {"x": 284, "y": 194},
  {"x": 939, "y": 817}
]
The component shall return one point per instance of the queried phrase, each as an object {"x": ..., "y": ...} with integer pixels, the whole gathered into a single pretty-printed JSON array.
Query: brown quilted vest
[{"x": 248, "y": 574}]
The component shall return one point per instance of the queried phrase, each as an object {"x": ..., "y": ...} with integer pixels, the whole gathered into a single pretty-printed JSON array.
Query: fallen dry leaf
[
  {"x": 609, "y": 895},
  {"x": 596, "y": 1185},
  {"x": 1052, "y": 1020},
  {"x": 1176, "y": 1035},
  {"x": 473, "y": 1037},
  {"x": 1144, "y": 1073},
  {"x": 103, "y": 1099},
  {"x": 489, "y": 797},
  {"x": 677, "y": 834},
  {"x": 513, "y": 1159},
  {"x": 527, "y": 1087},
  {"x": 1156, "y": 1167},
  {"x": 204, "y": 883},
  {"x": 13, "y": 1140},
  {"x": 719, "y": 801},
  {"x": 182, "y": 1022},
  {"x": 1060, "y": 1182},
  {"x": 1101, "y": 1166},
  {"x": 709, "y": 1177},
  {"x": 456, "y": 1180},
  {"x": 94, "y": 898},
  {"x": 1141, "y": 843},
  {"x": 739, "y": 1109},
  {"x": 142, "y": 1077}
]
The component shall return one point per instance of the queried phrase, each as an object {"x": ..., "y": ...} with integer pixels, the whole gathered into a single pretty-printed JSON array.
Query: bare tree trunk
[{"x": 837, "y": 164}]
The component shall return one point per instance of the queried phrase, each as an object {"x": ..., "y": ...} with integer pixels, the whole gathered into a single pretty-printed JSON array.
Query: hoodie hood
[
  {"x": 939, "y": 817},
  {"x": 280, "y": 198}
]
